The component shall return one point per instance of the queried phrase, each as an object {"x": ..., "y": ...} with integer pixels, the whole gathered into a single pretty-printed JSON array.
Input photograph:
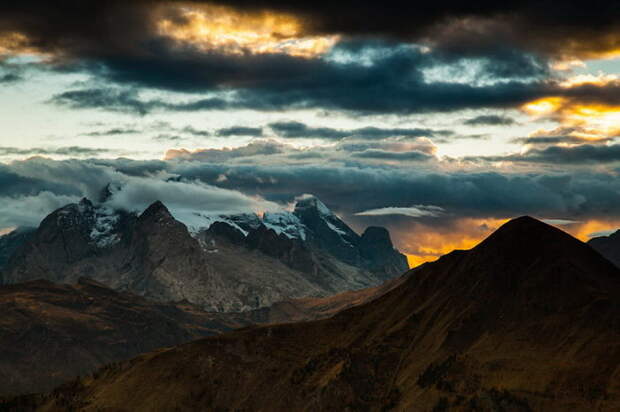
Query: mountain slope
[
  {"x": 10, "y": 242},
  {"x": 51, "y": 333},
  {"x": 223, "y": 263},
  {"x": 527, "y": 320},
  {"x": 608, "y": 246}
]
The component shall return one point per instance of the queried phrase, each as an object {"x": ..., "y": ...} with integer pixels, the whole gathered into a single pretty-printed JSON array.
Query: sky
[{"x": 438, "y": 121}]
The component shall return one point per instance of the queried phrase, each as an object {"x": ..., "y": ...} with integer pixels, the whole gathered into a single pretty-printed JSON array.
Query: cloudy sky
[{"x": 438, "y": 121}]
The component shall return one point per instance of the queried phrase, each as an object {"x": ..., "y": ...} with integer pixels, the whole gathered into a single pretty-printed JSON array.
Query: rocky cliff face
[
  {"x": 527, "y": 320},
  {"x": 608, "y": 246},
  {"x": 223, "y": 263}
]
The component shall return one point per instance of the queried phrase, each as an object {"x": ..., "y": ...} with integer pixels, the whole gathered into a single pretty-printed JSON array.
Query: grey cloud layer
[{"x": 349, "y": 188}]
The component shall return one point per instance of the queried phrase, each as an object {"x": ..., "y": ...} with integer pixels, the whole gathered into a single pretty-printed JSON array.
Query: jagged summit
[
  {"x": 157, "y": 208},
  {"x": 311, "y": 202}
]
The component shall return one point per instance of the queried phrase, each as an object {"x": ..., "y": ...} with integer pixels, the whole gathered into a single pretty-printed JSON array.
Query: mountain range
[
  {"x": 529, "y": 319},
  {"x": 224, "y": 263}
]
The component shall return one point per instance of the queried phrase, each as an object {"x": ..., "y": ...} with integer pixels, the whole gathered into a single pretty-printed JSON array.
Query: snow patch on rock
[{"x": 285, "y": 223}]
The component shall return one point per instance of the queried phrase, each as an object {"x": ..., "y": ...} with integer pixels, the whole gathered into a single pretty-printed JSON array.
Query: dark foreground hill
[
  {"x": 51, "y": 333},
  {"x": 527, "y": 320}
]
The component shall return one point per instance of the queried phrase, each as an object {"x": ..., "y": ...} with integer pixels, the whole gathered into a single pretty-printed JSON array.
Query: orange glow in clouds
[
  {"x": 14, "y": 43},
  {"x": 599, "y": 121},
  {"x": 426, "y": 244},
  {"x": 210, "y": 27}
]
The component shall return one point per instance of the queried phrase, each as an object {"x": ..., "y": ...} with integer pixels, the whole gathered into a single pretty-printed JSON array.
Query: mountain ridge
[
  {"x": 529, "y": 319},
  {"x": 156, "y": 255},
  {"x": 608, "y": 246}
]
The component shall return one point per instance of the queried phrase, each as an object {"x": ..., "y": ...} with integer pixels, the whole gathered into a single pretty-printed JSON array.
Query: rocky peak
[
  {"x": 312, "y": 204},
  {"x": 328, "y": 230},
  {"x": 378, "y": 252},
  {"x": 377, "y": 236},
  {"x": 285, "y": 223},
  {"x": 157, "y": 212}
]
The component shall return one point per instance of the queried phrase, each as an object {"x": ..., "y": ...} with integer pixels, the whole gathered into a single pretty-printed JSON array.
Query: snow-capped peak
[
  {"x": 285, "y": 222},
  {"x": 197, "y": 222},
  {"x": 99, "y": 222},
  {"x": 306, "y": 202}
]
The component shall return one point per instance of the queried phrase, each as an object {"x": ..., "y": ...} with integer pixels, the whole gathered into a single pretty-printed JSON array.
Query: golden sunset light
[
  {"x": 426, "y": 243},
  {"x": 224, "y": 29},
  {"x": 14, "y": 43}
]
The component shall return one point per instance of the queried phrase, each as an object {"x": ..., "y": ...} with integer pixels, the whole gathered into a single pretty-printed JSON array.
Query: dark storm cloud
[
  {"x": 110, "y": 99},
  {"x": 116, "y": 131},
  {"x": 63, "y": 151},
  {"x": 12, "y": 183},
  {"x": 584, "y": 154},
  {"x": 195, "y": 132},
  {"x": 9, "y": 78},
  {"x": 348, "y": 189},
  {"x": 556, "y": 139},
  {"x": 264, "y": 148},
  {"x": 355, "y": 188},
  {"x": 293, "y": 129},
  {"x": 167, "y": 137},
  {"x": 388, "y": 155},
  {"x": 128, "y": 101},
  {"x": 97, "y": 28},
  {"x": 351, "y": 189},
  {"x": 490, "y": 120},
  {"x": 581, "y": 154},
  {"x": 118, "y": 42},
  {"x": 239, "y": 131}
]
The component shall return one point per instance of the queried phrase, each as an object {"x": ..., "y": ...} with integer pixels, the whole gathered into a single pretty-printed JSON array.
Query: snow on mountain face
[
  {"x": 197, "y": 222},
  {"x": 289, "y": 224},
  {"x": 104, "y": 228},
  {"x": 318, "y": 217},
  {"x": 99, "y": 222},
  {"x": 286, "y": 223},
  {"x": 312, "y": 202}
]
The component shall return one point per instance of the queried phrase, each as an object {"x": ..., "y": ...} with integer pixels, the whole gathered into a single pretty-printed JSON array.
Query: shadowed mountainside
[
  {"x": 50, "y": 333},
  {"x": 608, "y": 246},
  {"x": 527, "y": 320}
]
